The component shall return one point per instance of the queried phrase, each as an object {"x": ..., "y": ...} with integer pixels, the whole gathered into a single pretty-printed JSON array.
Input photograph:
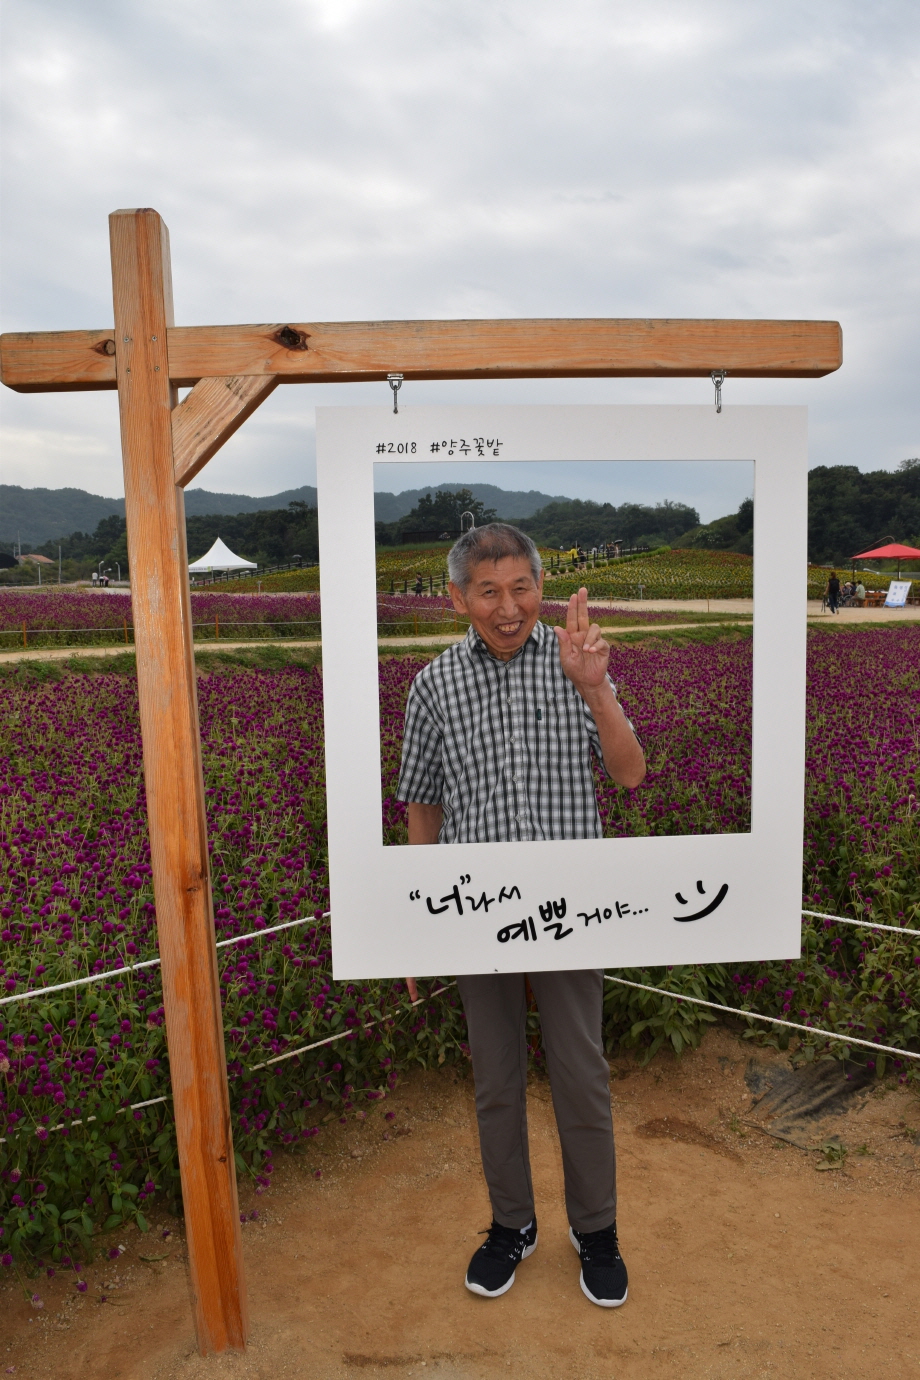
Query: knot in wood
[
  {"x": 105, "y": 347},
  {"x": 291, "y": 339}
]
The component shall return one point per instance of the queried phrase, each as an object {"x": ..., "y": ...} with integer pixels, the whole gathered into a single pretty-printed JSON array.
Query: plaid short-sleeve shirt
[{"x": 504, "y": 747}]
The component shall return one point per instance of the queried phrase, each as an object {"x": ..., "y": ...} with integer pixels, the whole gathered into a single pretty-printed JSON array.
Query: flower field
[
  {"x": 664, "y": 574},
  {"x": 83, "y": 618},
  {"x": 691, "y": 707},
  {"x": 283, "y": 582},
  {"x": 659, "y": 575},
  {"x": 411, "y": 615},
  {"x": 76, "y": 898}
]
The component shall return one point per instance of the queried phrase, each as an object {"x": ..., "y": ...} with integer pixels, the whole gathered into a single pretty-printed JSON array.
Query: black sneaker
[
  {"x": 603, "y": 1273},
  {"x": 492, "y": 1268}
]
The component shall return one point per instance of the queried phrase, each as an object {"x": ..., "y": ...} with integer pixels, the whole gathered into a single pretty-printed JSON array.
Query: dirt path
[
  {"x": 225, "y": 645},
  {"x": 743, "y": 1261}
]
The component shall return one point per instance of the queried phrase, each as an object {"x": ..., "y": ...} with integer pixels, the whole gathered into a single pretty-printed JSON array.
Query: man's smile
[{"x": 502, "y": 601}]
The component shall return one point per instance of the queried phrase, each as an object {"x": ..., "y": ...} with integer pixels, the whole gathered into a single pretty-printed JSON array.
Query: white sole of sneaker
[
  {"x": 497, "y": 1293},
  {"x": 601, "y": 1303}
]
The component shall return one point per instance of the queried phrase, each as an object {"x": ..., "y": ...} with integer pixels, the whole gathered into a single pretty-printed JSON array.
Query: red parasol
[
  {"x": 893, "y": 552},
  {"x": 889, "y": 553}
]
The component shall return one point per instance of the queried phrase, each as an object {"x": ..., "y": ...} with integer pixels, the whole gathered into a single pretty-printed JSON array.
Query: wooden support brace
[
  {"x": 161, "y": 607},
  {"x": 208, "y": 417}
]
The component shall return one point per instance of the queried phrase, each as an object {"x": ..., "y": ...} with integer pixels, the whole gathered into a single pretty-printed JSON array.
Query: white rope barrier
[
  {"x": 288, "y": 1054},
  {"x": 66, "y": 1125},
  {"x": 862, "y": 924},
  {"x": 150, "y": 962},
  {"x": 771, "y": 1020},
  {"x": 78, "y": 982},
  {"x": 289, "y": 924},
  {"x": 624, "y": 982},
  {"x": 342, "y": 1034}
]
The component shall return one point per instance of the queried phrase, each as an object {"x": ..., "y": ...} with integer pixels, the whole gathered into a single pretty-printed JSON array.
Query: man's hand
[{"x": 583, "y": 653}]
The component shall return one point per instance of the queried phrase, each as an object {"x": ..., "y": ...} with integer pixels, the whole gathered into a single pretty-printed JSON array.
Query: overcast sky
[{"x": 354, "y": 159}]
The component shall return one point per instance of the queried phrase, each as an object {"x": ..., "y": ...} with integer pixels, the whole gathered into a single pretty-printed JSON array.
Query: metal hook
[
  {"x": 718, "y": 377},
  {"x": 396, "y": 382}
]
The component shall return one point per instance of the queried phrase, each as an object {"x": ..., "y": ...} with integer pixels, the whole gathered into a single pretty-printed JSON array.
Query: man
[
  {"x": 832, "y": 592},
  {"x": 499, "y": 736}
]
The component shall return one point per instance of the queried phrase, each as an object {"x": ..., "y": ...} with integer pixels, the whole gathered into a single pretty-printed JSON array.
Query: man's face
[{"x": 502, "y": 601}]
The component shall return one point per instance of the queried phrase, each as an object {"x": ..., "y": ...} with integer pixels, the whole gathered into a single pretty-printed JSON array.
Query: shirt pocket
[{"x": 552, "y": 733}]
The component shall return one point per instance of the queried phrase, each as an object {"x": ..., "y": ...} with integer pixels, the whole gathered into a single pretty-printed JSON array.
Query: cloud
[{"x": 347, "y": 159}]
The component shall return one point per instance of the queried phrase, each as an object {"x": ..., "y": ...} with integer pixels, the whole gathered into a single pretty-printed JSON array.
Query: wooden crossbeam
[
  {"x": 349, "y": 351},
  {"x": 208, "y": 417}
]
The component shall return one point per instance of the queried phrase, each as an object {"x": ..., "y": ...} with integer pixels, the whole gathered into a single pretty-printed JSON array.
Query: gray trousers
[{"x": 570, "y": 1007}]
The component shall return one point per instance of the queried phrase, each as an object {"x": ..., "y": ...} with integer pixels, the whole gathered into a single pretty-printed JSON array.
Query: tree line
[
  {"x": 268, "y": 537},
  {"x": 848, "y": 511},
  {"x": 563, "y": 523},
  {"x": 851, "y": 511}
]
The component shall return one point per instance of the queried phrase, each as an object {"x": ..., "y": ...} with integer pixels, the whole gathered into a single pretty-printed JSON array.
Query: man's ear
[{"x": 456, "y": 597}]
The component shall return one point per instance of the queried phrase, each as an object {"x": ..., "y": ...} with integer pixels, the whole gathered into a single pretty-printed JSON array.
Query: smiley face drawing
[{"x": 707, "y": 910}]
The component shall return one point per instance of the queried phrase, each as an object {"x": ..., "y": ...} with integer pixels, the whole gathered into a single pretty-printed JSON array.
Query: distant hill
[
  {"x": 849, "y": 511},
  {"x": 42, "y": 515},
  {"x": 203, "y": 503}
]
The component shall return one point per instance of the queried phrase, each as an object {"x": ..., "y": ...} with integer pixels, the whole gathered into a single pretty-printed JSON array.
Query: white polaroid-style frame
[{"x": 397, "y": 910}]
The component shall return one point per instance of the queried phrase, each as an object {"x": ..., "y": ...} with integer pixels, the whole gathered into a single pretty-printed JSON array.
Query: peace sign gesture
[{"x": 583, "y": 653}]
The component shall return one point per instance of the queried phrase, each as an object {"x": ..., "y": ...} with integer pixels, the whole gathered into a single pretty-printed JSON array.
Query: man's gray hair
[{"x": 494, "y": 542}]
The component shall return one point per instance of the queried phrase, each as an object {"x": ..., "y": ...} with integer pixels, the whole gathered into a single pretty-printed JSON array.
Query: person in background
[
  {"x": 860, "y": 594},
  {"x": 419, "y": 585},
  {"x": 832, "y": 592},
  {"x": 500, "y": 734}
]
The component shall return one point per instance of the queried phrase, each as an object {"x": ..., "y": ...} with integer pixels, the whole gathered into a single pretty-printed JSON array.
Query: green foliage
[
  {"x": 851, "y": 511},
  {"x": 107, "y": 543},
  {"x": 732, "y": 533},
  {"x": 587, "y": 524},
  {"x": 284, "y": 582},
  {"x": 434, "y": 513},
  {"x": 268, "y": 537},
  {"x": 647, "y": 1022},
  {"x": 662, "y": 574}
]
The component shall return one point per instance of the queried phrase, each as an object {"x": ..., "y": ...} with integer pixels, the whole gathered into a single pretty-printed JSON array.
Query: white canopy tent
[{"x": 220, "y": 557}]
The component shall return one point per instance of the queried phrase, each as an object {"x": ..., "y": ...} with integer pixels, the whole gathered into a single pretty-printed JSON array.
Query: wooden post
[{"x": 155, "y": 513}]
